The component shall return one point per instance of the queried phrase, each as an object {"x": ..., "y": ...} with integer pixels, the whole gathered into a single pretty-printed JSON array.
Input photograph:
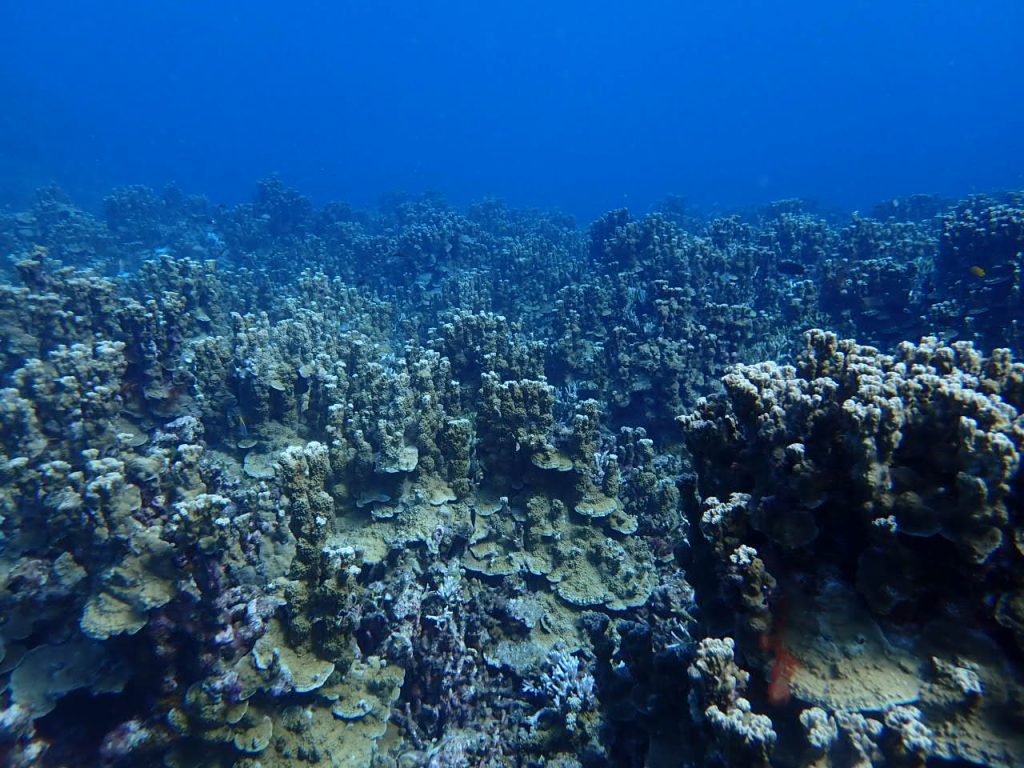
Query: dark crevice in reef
[{"x": 81, "y": 721}]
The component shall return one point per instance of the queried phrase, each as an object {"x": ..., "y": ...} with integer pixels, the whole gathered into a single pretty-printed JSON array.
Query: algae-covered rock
[
  {"x": 970, "y": 697},
  {"x": 259, "y": 465},
  {"x": 843, "y": 661}
]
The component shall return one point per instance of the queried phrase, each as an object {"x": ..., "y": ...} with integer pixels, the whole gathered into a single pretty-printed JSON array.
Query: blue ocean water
[{"x": 580, "y": 105}]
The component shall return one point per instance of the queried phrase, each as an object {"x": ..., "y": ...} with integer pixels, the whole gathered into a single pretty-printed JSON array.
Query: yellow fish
[{"x": 978, "y": 271}]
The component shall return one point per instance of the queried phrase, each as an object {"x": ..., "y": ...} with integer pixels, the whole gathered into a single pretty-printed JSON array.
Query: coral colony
[{"x": 289, "y": 486}]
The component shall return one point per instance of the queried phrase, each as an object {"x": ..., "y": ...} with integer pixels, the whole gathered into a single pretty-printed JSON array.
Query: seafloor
[{"x": 288, "y": 486}]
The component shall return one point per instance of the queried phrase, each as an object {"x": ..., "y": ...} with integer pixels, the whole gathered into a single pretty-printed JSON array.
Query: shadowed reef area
[{"x": 292, "y": 486}]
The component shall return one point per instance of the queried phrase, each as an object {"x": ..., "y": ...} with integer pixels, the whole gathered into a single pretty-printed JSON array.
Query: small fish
[
  {"x": 234, "y": 414},
  {"x": 978, "y": 271}
]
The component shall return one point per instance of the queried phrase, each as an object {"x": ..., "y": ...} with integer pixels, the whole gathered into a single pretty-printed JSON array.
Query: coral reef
[
  {"x": 284, "y": 485},
  {"x": 900, "y": 473}
]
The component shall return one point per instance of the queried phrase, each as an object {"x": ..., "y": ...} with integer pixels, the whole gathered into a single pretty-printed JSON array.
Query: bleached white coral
[{"x": 567, "y": 685}]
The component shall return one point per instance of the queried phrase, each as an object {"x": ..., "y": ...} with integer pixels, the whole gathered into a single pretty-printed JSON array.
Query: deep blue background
[{"x": 580, "y": 104}]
